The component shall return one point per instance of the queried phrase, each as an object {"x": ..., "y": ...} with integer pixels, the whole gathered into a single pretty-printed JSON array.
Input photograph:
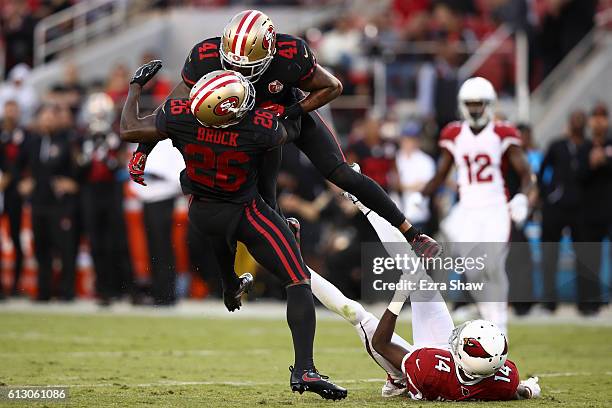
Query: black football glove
[{"x": 146, "y": 72}]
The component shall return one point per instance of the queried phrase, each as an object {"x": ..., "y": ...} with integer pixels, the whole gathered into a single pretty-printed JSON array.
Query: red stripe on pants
[
  {"x": 277, "y": 249},
  {"x": 282, "y": 238}
]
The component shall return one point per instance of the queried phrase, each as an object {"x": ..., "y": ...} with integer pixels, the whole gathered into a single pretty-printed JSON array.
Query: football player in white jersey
[{"x": 480, "y": 147}]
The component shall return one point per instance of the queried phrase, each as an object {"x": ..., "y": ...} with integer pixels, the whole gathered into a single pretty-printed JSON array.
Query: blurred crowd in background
[{"x": 64, "y": 166}]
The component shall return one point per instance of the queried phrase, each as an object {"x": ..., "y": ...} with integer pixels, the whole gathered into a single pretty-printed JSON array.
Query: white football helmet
[
  {"x": 479, "y": 348},
  {"x": 477, "y": 98}
]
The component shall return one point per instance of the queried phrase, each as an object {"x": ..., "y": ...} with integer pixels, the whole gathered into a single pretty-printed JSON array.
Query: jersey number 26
[{"x": 203, "y": 161}]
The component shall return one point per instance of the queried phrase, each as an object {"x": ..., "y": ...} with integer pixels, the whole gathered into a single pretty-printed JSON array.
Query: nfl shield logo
[{"x": 275, "y": 86}]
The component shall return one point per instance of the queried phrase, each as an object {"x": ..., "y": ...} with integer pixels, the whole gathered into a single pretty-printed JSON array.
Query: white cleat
[{"x": 393, "y": 388}]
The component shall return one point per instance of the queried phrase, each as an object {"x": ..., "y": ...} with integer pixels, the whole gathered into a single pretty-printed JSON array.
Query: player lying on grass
[
  {"x": 223, "y": 141},
  {"x": 467, "y": 362}
]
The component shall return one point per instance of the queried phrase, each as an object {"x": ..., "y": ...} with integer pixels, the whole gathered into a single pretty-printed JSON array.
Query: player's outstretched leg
[
  {"x": 431, "y": 320},
  {"x": 319, "y": 143},
  {"x": 365, "y": 325},
  {"x": 270, "y": 241}
]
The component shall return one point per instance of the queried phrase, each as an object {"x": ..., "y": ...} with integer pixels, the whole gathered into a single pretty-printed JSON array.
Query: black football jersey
[
  {"x": 293, "y": 62},
  {"x": 221, "y": 163}
]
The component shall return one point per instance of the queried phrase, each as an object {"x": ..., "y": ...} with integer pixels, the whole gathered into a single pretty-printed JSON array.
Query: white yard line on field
[{"x": 166, "y": 383}]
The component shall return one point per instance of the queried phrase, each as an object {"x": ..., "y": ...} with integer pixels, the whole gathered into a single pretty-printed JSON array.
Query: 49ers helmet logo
[
  {"x": 269, "y": 38},
  {"x": 473, "y": 348},
  {"x": 224, "y": 107},
  {"x": 275, "y": 86}
]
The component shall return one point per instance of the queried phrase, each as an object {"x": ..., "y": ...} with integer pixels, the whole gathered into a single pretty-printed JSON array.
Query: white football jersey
[{"x": 478, "y": 159}]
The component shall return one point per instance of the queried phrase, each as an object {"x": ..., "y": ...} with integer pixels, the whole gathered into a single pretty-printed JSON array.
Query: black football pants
[
  {"x": 264, "y": 233},
  {"x": 54, "y": 230}
]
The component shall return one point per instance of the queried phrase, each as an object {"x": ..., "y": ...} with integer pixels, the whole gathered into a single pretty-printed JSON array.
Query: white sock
[
  {"x": 334, "y": 300},
  {"x": 432, "y": 324},
  {"x": 366, "y": 329}
]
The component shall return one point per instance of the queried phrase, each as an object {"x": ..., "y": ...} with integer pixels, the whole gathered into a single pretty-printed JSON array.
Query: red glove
[
  {"x": 425, "y": 246},
  {"x": 136, "y": 167},
  {"x": 275, "y": 108}
]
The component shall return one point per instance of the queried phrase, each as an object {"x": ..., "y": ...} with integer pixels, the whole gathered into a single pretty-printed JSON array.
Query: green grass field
[{"x": 110, "y": 360}]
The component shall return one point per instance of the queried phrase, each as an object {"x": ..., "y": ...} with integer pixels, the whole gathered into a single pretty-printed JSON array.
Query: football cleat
[
  {"x": 393, "y": 388},
  {"x": 294, "y": 226},
  {"x": 233, "y": 300},
  {"x": 312, "y": 381}
]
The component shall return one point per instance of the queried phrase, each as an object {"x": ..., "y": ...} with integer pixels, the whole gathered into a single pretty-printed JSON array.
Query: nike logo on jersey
[
  {"x": 305, "y": 52},
  {"x": 417, "y": 363}
]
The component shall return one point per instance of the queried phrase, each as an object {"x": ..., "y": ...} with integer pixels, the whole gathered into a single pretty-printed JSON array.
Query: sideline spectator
[
  {"x": 98, "y": 160},
  {"x": 13, "y": 139},
  {"x": 53, "y": 190},
  {"x": 375, "y": 155},
  {"x": 17, "y": 89},
  {"x": 158, "y": 196},
  {"x": 597, "y": 219},
  {"x": 415, "y": 169},
  {"x": 561, "y": 193}
]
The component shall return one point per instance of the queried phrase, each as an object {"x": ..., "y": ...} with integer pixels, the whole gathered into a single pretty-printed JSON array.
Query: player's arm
[
  {"x": 444, "y": 167},
  {"x": 322, "y": 85},
  {"x": 180, "y": 91},
  {"x": 133, "y": 128},
  {"x": 519, "y": 163},
  {"x": 381, "y": 341},
  {"x": 323, "y": 88}
]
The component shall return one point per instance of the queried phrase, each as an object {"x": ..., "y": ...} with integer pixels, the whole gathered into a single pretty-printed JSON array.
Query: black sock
[
  {"x": 368, "y": 192},
  {"x": 302, "y": 322}
]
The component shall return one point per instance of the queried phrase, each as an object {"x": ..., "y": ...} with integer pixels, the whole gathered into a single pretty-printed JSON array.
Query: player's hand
[
  {"x": 146, "y": 72},
  {"x": 519, "y": 208},
  {"x": 136, "y": 167},
  {"x": 532, "y": 386},
  {"x": 425, "y": 246},
  {"x": 275, "y": 108},
  {"x": 415, "y": 203}
]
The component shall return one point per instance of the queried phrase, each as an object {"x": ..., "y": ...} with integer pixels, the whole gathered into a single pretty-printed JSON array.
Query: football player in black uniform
[
  {"x": 223, "y": 142},
  {"x": 277, "y": 64}
]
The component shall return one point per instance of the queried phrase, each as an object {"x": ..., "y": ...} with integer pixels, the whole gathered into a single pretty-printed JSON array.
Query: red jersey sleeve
[
  {"x": 448, "y": 135},
  {"x": 508, "y": 135}
]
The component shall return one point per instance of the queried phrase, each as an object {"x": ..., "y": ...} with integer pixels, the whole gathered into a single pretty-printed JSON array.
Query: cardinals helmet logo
[{"x": 473, "y": 348}]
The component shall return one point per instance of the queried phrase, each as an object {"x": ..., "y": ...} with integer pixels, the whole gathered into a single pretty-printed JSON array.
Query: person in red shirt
[{"x": 444, "y": 363}]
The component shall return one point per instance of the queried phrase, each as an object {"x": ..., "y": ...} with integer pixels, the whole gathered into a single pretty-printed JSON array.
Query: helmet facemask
[
  {"x": 478, "y": 113},
  {"x": 250, "y": 70}
]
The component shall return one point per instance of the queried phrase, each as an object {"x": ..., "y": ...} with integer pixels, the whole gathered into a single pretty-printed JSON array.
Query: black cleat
[
  {"x": 294, "y": 226},
  {"x": 233, "y": 300},
  {"x": 311, "y": 381}
]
